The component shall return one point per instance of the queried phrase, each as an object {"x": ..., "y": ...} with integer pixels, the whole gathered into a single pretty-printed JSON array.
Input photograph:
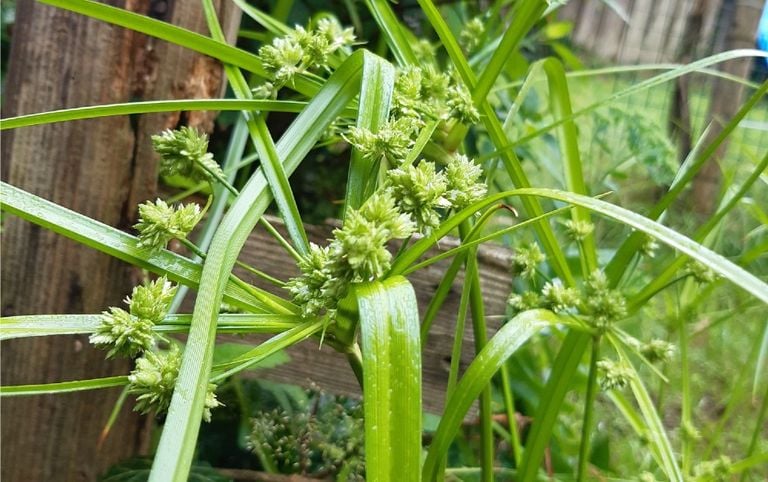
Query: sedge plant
[{"x": 433, "y": 125}]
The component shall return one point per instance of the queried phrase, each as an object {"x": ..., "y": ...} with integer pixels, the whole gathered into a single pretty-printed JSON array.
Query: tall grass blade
[
  {"x": 62, "y": 387},
  {"x": 389, "y": 337}
]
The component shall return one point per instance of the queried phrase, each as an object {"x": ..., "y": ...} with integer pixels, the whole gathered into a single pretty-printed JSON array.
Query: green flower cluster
[
  {"x": 614, "y": 374},
  {"x": 425, "y": 194},
  {"x": 412, "y": 199},
  {"x": 424, "y": 93},
  {"x": 185, "y": 152},
  {"x": 598, "y": 305},
  {"x": 578, "y": 230},
  {"x": 390, "y": 144},
  {"x": 153, "y": 380},
  {"x": 304, "y": 50},
  {"x": 602, "y": 305},
  {"x": 718, "y": 470},
  {"x": 357, "y": 253},
  {"x": 128, "y": 333},
  {"x": 472, "y": 33},
  {"x": 159, "y": 223}
]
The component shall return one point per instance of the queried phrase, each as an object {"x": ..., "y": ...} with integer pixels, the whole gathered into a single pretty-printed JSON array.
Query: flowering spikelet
[
  {"x": 657, "y": 351},
  {"x": 461, "y": 104},
  {"x": 603, "y": 305},
  {"x": 614, "y": 374},
  {"x": 558, "y": 298},
  {"x": 578, "y": 230},
  {"x": 523, "y": 302},
  {"x": 185, "y": 151},
  {"x": 283, "y": 59},
  {"x": 472, "y": 33},
  {"x": 153, "y": 380},
  {"x": 526, "y": 259},
  {"x": 159, "y": 223},
  {"x": 420, "y": 192},
  {"x": 464, "y": 184},
  {"x": 128, "y": 334},
  {"x": 357, "y": 253},
  {"x": 151, "y": 301},
  {"x": 123, "y": 334},
  {"x": 391, "y": 143}
]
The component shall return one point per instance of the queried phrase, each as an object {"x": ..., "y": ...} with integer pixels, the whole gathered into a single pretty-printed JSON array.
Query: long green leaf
[
  {"x": 127, "y": 108},
  {"x": 375, "y": 97},
  {"x": 717, "y": 263},
  {"x": 654, "y": 427},
  {"x": 62, "y": 387},
  {"x": 265, "y": 146},
  {"x": 389, "y": 336},
  {"x": 45, "y": 325},
  {"x": 177, "y": 442},
  {"x": 113, "y": 242},
  {"x": 504, "y": 343},
  {"x": 392, "y": 30}
]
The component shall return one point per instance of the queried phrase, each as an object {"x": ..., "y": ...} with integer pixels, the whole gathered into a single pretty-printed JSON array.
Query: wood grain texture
[
  {"x": 312, "y": 365},
  {"x": 100, "y": 168}
]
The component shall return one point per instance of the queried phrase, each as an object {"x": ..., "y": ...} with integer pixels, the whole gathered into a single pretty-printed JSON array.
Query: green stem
[
  {"x": 480, "y": 331},
  {"x": 589, "y": 412},
  {"x": 509, "y": 405}
]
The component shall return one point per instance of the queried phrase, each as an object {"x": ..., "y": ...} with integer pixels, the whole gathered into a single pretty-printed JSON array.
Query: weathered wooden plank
[{"x": 96, "y": 167}]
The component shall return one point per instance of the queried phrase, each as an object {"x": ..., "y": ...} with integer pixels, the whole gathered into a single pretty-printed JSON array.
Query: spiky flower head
[
  {"x": 614, "y": 374},
  {"x": 123, "y": 334},
  {"x": 391, "y": 143},
  {"x": 701, "y": 273},
  {"x": 159, "y": 223},
  {"x": 130, "y": 333},
  {"x": 523, "y": 302},
  {"x": 472, "y": 34},
  {"x": 283, "y": 59},
  {"x": 153, "y": 380},
  {"x": 718, "y": 470},
  {"x": 337, "y": 36},
  {"x": 526, "y": 259},
  {"x": 362, "y": 244},
  {"x": 464, "y": 184},
  {"x": 381, "y": 210},
  {"x": 406, "y": 96},
  {"x": 649, "y": 247},
  {"x": 604, "y": 306},
  {"x": 577, "y": 230},
  {"x": 657, "y": 351},
  {"x": 151, "y": 301},
  {"x": 423, "y": 50},
  {"x": 185, "y": 151},
  {"x": 265, "y": 90},
  {"x": 558, "y": 298},
  {"x": 420, "y": 192},
  {"x": 357, "y": 252},
  {"x": 319, "y": 285},
  {"x": 461, "y": 105}
]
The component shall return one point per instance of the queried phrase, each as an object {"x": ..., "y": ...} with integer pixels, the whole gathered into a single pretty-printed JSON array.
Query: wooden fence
[{"x": 653, "y": 31}]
